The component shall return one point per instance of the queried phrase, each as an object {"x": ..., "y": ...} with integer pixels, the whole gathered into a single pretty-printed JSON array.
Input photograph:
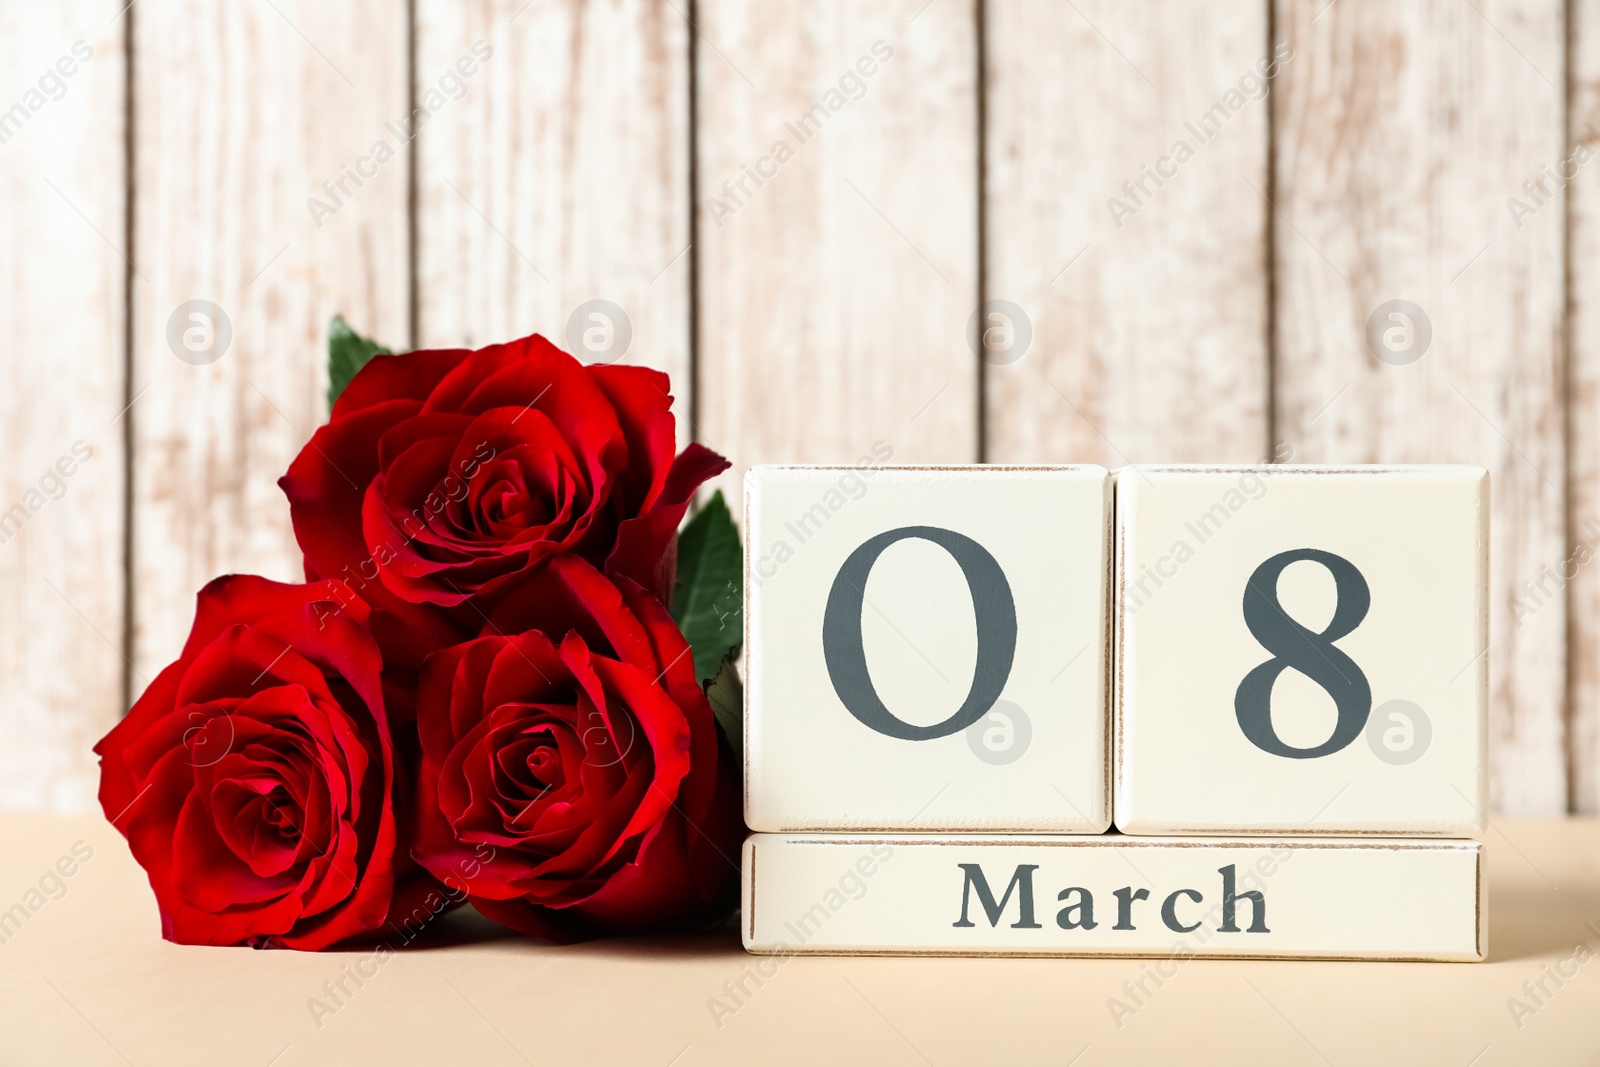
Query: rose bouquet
[{"x": 507, "y": 679}]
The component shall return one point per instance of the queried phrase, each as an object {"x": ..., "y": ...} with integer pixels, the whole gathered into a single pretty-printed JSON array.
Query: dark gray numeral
[
  {"x": 1312, "y": 654},
  {"x": 846, "y": 656}
]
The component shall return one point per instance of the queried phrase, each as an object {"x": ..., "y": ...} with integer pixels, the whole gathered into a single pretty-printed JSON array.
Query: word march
[{"x": 1078, "y": 912}]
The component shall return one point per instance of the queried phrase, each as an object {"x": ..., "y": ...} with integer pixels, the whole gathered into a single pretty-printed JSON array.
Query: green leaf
[
  {"x": 708, "y": 603},
  {"x": 726, "y": 694},
  {"x": 348, "y": 352}
]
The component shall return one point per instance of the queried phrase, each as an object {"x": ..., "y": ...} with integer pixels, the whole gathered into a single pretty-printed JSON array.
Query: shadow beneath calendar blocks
[{"x": 1544, "y": 890}]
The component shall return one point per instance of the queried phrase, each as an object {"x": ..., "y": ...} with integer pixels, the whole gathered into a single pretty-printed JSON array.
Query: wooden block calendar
[{"x": 1239, "y": 666}]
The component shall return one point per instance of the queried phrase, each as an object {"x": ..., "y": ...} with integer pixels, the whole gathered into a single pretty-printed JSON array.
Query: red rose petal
[{"x": 411, "y": 377}]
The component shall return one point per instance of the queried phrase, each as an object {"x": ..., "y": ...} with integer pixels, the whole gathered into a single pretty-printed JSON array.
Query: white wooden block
[
  {"x": 926, "y": 648},
  {"x": 926, "y": 894},
  {"x": 1345, "y": 693}
]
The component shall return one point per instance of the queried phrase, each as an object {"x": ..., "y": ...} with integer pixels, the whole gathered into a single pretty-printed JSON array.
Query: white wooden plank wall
[
  {"x": 241, "y": 113},
  {"x": 560, "y": 177},
  {"x": 817, "y": 296},
  {"x": 1146, "y": 294},
  {"x": 837, "y": 230},
  {"x": 1402, "y": 130},
  {"x": 1580, "y": 166},
  {"x": 62, "y": 321}
]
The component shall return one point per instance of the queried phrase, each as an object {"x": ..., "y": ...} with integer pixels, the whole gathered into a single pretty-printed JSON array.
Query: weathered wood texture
[
  {"x": 1401, "y": 130},
  {"x": 1414, "y": 152},
  {"x": 559, "y": 177},
  {"x": 1126, "y": 160},
  {"x": 837, "y": 230},
  {"x": 62, "y": 275},
  {"x": 1580, "y": 169},
  {"x": 242, "y": 113}
]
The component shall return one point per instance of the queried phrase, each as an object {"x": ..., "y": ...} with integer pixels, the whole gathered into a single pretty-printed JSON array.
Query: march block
[
  {"x": 1174, "y": 898},
  {"x": 926, "y": 647},
  {"x": 1301, "y": 650}
]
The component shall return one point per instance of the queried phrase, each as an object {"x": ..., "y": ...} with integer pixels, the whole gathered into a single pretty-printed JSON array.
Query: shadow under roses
[{"x": 465, "y": 925}]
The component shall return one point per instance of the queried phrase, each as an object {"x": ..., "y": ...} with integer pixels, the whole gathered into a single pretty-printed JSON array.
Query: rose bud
[
  {"x": 573, "y": 777},
  {"x": 255, "y": 778},
  {"x": 444, "y": 475}
]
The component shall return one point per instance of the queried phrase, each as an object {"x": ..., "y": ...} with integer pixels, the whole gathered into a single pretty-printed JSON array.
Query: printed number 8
[{"x": 1312, "y": 654}]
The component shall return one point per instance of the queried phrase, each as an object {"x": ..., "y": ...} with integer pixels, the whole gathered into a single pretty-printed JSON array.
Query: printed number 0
[
  {"x": 992, "y": 606},
  {"x": 1312, "y": 654}
]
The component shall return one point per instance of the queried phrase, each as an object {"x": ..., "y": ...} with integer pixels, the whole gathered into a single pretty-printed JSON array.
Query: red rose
[
  {"x": 254, "y": 778},
  {"x": 573, "y": 777},
  {"x": 444, "y": 475}
]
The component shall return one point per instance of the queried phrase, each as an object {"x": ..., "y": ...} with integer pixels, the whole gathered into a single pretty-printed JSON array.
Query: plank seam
[
  {"x": 414, "y": 296},
  {"x": 129, "y": 218},
  {"x": 1568, "y": 515},
  {"x": 981, "y": 99},
  {"x": 1269, "y": 236},
  {"x": 693, "y": 406}
]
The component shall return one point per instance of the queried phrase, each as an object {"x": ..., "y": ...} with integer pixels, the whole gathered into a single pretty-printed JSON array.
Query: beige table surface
[{"x": 88, "y": 980}]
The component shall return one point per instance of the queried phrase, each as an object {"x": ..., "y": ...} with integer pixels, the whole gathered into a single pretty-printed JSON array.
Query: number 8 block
[
  {"x": 1301, "y": 649},
  {"x": 926, "y": 648}
]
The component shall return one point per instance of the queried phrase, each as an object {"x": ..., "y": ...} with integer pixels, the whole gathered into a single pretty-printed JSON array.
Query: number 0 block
[
  {"x": 1301, "y": 649},
  {"x": 926, "y": 648}
]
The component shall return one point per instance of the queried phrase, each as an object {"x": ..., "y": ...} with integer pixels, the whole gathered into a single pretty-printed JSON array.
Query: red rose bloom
[
  {"x": 573, "y": 778},
  {"x": 254, "y": 778},
  {"x": 444, "y": 475}
]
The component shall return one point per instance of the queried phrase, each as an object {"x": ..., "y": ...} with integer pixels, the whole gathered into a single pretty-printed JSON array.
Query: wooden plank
[
  {"x": 62, "y": 279},
  {"x": 560, "y": 177},
  {"x": 837, "y": 222},
  {"x": 1402, "y": 131},
  {"x": 243, "y": 112},
  {"x": 1581, "y": 171},
  {"x": 1125, "y": 150}
]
